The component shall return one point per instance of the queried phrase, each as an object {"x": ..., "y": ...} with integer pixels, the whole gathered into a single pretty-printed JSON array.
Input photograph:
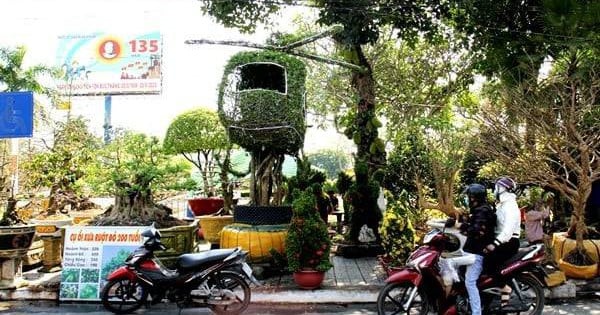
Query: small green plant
[
  {"x": 397, "y": 232},
  {"x": 69, "y": 290},
  {"x": 307, "y": 244},
  {"x": 89, "y": 291},
  {"x": 89, "y": 275},
  {"x": 70, "y": 275}
]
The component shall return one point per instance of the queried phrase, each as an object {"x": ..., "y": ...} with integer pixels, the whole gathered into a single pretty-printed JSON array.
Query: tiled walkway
[{"x": 346, "y": 273}]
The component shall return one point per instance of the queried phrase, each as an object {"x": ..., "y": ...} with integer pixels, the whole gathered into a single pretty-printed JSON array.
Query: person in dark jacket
[{"x": 479, "y": 229}]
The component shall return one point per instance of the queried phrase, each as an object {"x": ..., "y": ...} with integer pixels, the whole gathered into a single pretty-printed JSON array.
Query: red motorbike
[
  {"x": 217, "y": 279},
  {"x": 418, "y": 288}
]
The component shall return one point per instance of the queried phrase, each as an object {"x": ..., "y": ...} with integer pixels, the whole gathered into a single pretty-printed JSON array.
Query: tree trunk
[
  {"x": 266, "y": 178},
  {"x": 583, "y": 193},
  {"x": 204, "y": 171},
  {"x": 226, "y": 186},
  {"x": 137, "y": 208},
  {"x": 365, "y": 211},
  {"x": 364, "y": 85}
]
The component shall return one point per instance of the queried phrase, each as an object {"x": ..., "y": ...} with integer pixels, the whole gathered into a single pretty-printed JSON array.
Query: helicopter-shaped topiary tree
[{"x": 261, "y": 104}]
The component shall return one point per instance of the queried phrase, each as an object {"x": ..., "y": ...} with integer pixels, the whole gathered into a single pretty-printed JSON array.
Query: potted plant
[
  {"x": 397, "y": 234},
  {"x": 61, "y": 168},
  {"x": 199, "y": 137},
  {"x": 15, "y": 235},
  {"x": 307, "y": 244}
]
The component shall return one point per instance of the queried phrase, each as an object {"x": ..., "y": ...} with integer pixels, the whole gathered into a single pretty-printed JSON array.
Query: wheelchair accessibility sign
[{"x": 16, "y": 114}]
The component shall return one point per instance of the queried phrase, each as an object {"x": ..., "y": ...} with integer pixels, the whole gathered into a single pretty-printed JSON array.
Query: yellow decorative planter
[
  {"x": 555, "y": 279},
  {"x": 178, "y": 240},
  {"x": 256, "y": 239},
  {"x": 578, "y": 272},
  {"x": 563, "y": 245},
  {"x": 212, "y": 226}
]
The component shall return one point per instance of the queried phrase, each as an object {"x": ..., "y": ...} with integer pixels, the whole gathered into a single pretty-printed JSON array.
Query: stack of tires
[{"x": 258, "y": 229}]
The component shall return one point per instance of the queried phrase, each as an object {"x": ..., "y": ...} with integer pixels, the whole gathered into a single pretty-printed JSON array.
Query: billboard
[{"x": 102, "y": 63}]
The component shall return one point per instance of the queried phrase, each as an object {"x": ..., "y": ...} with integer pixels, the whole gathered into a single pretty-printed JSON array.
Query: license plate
[{"x": 247, "y": 269}]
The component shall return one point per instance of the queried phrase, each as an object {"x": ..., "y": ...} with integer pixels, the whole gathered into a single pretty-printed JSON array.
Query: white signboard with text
[{"x": 90, "y": 254}]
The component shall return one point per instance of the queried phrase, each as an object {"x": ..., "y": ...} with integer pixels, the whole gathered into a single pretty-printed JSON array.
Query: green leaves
[
  {"x": 64, "y": 165},
  {"x": 307, "y": 243},
  {"x": 195, "y": 130},
  {"x": 141, "y": 162},
  {"x": 258, "y": 117}
]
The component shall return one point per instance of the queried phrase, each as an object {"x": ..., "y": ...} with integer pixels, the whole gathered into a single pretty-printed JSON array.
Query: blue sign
[{"x": 16, "y": 114}]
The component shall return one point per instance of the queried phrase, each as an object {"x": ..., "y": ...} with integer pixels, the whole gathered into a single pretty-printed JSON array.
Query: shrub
[
  {"x": 397, "y": 232},
  {"x": 307, "y": 243}
]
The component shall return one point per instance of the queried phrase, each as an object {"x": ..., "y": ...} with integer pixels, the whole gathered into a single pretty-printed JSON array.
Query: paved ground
[
  {"x": 16, "y": 308},
  {"x": 346, "y": 273}
]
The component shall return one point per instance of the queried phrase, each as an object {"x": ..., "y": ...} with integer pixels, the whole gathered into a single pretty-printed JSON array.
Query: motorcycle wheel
[
  {"x": 123, "y": 296},
  {"x": 240, "y": 292},
  {"x": 533, "y": 295},
  {"x": 393, "y": 296}
]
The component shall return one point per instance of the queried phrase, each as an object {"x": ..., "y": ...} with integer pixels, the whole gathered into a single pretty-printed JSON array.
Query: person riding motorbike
[
  {"x": 508, "y": 229},
  {"x": 479, "y": 229}
]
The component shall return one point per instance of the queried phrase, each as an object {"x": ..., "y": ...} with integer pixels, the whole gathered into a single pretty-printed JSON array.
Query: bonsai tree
[
  {"x": 305, "y": 177},
  {"x": 560, "y": 147},
  {"x": 261, "y": 103},
  {"x": 199, "y": 137},
  {"x": 133, "y": 167},
  {"x": 13, "y": 78},
  {"x": 307, "y": 245},
  {"x": 63, "y": 166}
]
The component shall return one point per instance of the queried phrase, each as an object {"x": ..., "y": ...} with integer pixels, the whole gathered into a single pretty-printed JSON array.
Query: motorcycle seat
[{"x": 196, "y": 259}]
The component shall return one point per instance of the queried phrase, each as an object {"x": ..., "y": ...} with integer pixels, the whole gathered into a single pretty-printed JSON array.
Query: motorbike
[
  {"x": 419, "y": 287},
  {"x": 217, "y": 279}
]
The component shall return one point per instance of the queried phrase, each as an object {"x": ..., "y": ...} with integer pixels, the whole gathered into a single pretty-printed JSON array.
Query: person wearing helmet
[
  {"x": 479, "y": 229},
  {"x": 508, "y": 229}
]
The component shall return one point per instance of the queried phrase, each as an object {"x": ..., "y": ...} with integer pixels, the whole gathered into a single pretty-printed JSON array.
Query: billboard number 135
[{"x": 143, "y": 45}]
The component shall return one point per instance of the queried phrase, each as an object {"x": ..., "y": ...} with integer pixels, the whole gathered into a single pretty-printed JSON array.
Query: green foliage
[
  {"x": 141, "y": 162},
  {"x": 407, "y": 163},
  {"x": 69, "y": 290},
  {"x": 513, "y": 38},
  {"x": 200, "y": 138},
  {"x": 13, "y": 77},
  {"x": 363, "y": 194},
  {"x": 306, "y": 176},
  {"x": 243, "y": 15},
  {"x": 195, "y": 130},
  {"x": 115, "y": 262},
  {"x": 259, "y": 119},
  {"x": 343, "y": 183},
  {"x": 70, "y": 275},
  {"x": 307, "y": 244},
  {"x": 89, "y": 275},
  {"x": 88, "y": 291},
  {"x": 64, "y": 165},
  {"x": 397, "y": 233},
  {"x": 332, "y": 161}
]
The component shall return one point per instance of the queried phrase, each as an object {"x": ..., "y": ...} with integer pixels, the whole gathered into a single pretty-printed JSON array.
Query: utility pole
[{"x": 107, "y": 114}]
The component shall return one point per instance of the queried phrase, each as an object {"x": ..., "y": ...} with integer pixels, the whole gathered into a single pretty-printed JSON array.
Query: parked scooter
[
  {"x": 419, "y": 288},
  {"x": 216, "y": 279}
]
